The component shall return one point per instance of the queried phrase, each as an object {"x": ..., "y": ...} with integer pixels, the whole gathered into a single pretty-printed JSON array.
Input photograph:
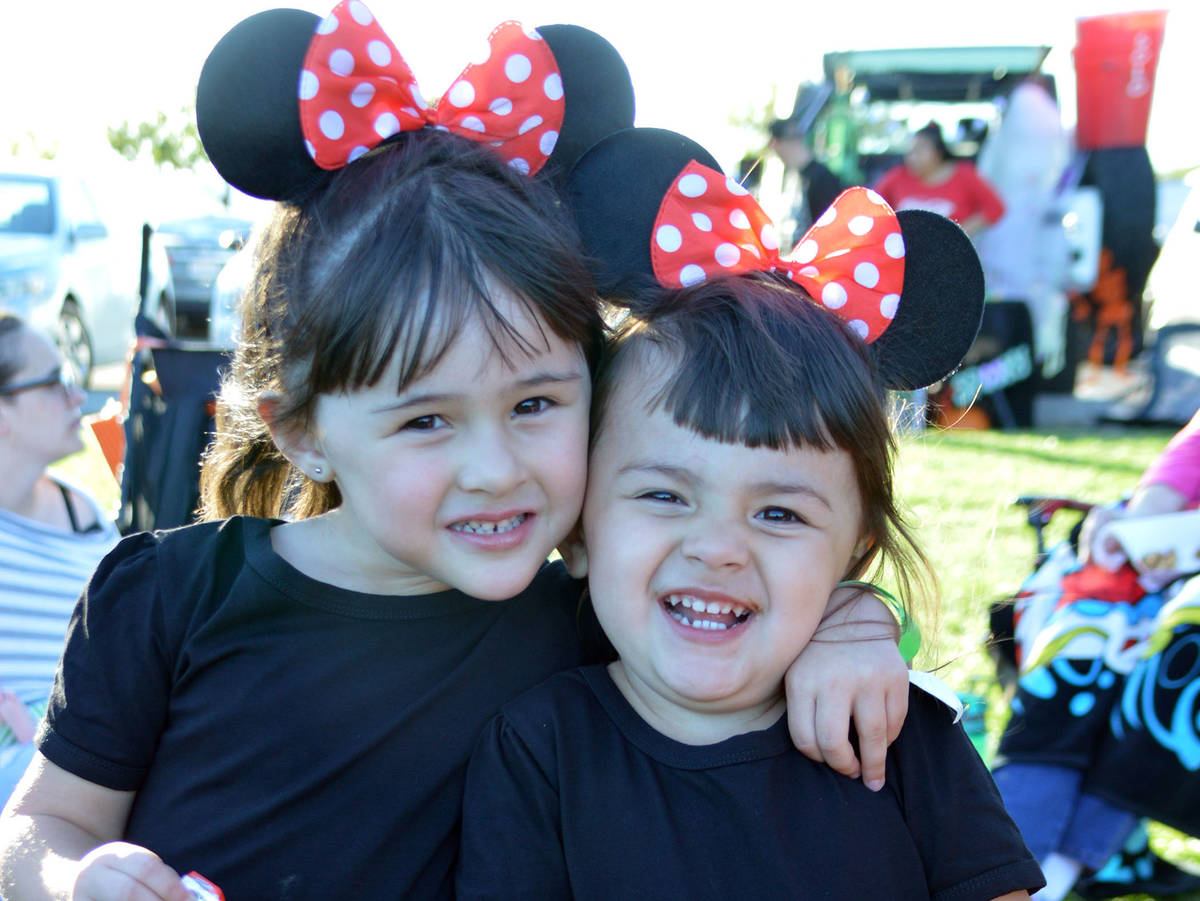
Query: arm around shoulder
[
  {"x": 850, "y": 672},
  {"x": 60, "y": 839}
]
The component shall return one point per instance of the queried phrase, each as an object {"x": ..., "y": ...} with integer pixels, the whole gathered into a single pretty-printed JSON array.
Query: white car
[{"x": 72, "y": 272}]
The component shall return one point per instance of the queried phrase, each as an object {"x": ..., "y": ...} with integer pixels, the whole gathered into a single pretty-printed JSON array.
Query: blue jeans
[{"x": 1054, "y": 815}]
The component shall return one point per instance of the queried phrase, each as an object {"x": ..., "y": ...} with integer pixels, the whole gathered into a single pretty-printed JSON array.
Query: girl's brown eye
[
  {"x": 779, "y": 515},
  {"x": 532, "y": 405},
  {"x": 423, "y": 423}
]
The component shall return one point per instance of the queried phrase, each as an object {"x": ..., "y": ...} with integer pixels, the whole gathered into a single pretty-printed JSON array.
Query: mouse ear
[
  {"x": 655, "y": 211},
  {"x": 598, "y": 93},
  {"x": 615, "y": 191},
  {"x": 247, "y": 112},
  {"x": 941, "y": 303}
]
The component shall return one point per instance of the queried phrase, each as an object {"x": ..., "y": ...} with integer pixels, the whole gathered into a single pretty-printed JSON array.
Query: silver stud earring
[{"x": 317, "y": 470}]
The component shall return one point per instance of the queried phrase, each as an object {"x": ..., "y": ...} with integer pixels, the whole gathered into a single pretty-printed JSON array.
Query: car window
[
  {"x": 25, "y": 205},
  {"x": 78, "y": 206}
]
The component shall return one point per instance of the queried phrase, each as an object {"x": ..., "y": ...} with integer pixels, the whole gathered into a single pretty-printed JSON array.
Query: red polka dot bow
[
  {"x": 356, "y": 91},
  {"x": 851, "y": 260}
]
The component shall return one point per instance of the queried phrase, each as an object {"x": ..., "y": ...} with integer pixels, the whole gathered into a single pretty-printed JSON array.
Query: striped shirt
[{"x": 43, "y": 570}]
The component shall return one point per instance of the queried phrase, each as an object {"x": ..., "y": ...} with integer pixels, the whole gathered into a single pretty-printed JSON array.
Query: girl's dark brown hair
[
  {"x": 395, "y": 255},
  {"x": 751, "y": 360}
]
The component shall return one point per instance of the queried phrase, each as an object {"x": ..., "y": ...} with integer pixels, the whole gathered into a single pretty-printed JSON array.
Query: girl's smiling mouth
[
  {"x": 710, "y": 613},
  {"x": 494, "y": 532},
  {"x": 490, "y": 526}
]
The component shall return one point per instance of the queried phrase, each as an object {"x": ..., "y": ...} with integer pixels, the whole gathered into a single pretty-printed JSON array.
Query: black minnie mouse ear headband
[
  {"x": 286, "y": 98},
  {"x": 654, "y": 204}
]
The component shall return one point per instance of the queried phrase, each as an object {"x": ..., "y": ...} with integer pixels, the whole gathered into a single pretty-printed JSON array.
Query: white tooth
[
  {"x": 725, "y": 608},
  {"x": 673, "y": 601},
  {"x": 739, "y": 611},
  {"x": 713, "y": 607},
  {"x": 687, "y": 602},
  {"x": 720, "y": 626}
]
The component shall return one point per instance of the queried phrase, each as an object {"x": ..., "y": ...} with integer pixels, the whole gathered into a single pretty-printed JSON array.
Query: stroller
[
  {"x": 1111, "y": 678},
  {"x": 164, "y": 422}
]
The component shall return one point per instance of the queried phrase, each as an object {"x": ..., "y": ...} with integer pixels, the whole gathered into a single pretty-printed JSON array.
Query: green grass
[{"x": 959, "y": 489}]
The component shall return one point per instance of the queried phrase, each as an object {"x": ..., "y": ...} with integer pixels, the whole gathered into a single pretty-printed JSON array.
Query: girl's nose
[
  {"x": 715, "y": 544},
  {"x": 492, "y": 464}
]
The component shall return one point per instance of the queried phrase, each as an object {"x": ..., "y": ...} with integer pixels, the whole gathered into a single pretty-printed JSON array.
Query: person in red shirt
[{"x": 931, "y": 179}]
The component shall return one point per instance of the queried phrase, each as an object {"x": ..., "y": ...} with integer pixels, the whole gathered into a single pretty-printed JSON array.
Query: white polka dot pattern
[
  {"x": 851, "y": 260},
  {"x": 356, "y": 90}
]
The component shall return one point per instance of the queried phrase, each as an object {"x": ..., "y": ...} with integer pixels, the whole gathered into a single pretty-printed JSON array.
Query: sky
[{"x": 73, "y": 67}]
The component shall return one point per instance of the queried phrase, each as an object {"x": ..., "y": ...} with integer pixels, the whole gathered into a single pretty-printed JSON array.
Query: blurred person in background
[
  {"x": 1026, "y": 256},
  {"x": 1104, "y": 730},
  {"x": 818, "y": 186},
  {"x": 931, "y": 178},
  {"x": 52, "y": 533}
]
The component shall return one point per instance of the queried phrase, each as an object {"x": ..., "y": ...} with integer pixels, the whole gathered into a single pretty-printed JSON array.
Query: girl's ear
[
  {"x": 573, "y": 550},
  {"x": 864, "y": 553},
  {"x": 301, "y": 447}
]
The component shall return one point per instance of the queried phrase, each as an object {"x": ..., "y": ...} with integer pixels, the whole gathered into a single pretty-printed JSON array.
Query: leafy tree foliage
[{"x": 168, "y": 140}]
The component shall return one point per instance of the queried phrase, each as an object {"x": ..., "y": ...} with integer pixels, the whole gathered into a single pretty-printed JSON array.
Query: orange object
[
  {"x": 1115, "y": 60},
  {"x": 1114, "y": 313},
  {"x": 109, "y": 424},
  {"x": 109, "y": 428}
]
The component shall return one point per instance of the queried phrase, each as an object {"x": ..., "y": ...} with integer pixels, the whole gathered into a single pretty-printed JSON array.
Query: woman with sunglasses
[{"x": 52, "y": 533}]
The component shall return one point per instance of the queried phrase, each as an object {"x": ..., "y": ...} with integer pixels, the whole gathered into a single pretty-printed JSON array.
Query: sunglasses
[{"x": 62, "y": 377}]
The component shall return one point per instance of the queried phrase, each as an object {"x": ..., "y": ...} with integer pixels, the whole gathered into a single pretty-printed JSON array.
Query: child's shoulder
[
  {"x": 552, "y": 712},
  {"x": 929, "y": 717},
  {"x": 566, "y": 695},
  {"x": 176, "y": 557},
  {"x": 933, "y": 755}
]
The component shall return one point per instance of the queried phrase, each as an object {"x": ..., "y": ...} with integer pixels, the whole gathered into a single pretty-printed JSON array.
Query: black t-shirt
[
  {"x": 571, "y": 794},
  {"x": 289, "y": 739}
]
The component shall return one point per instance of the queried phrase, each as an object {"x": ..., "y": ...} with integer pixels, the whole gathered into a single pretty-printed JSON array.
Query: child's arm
[
  {"x": 511, "y": 844},
  {"x": 851, "y": 672},
  {"x": 59, "y": 840}
]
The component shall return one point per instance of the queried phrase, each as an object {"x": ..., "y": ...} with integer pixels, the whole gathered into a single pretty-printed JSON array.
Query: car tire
[{"x": 75, "y": 343}]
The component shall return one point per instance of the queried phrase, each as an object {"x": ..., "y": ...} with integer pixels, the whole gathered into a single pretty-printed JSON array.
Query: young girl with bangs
[
  {"x": 740, "y": 472},
  {"x": 285, "y": 699}
]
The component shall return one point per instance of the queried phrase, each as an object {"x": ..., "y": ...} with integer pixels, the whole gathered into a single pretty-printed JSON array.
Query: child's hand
[
  {"x": 851, "y": 672},
  {"x": 119, "y": 871}
]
